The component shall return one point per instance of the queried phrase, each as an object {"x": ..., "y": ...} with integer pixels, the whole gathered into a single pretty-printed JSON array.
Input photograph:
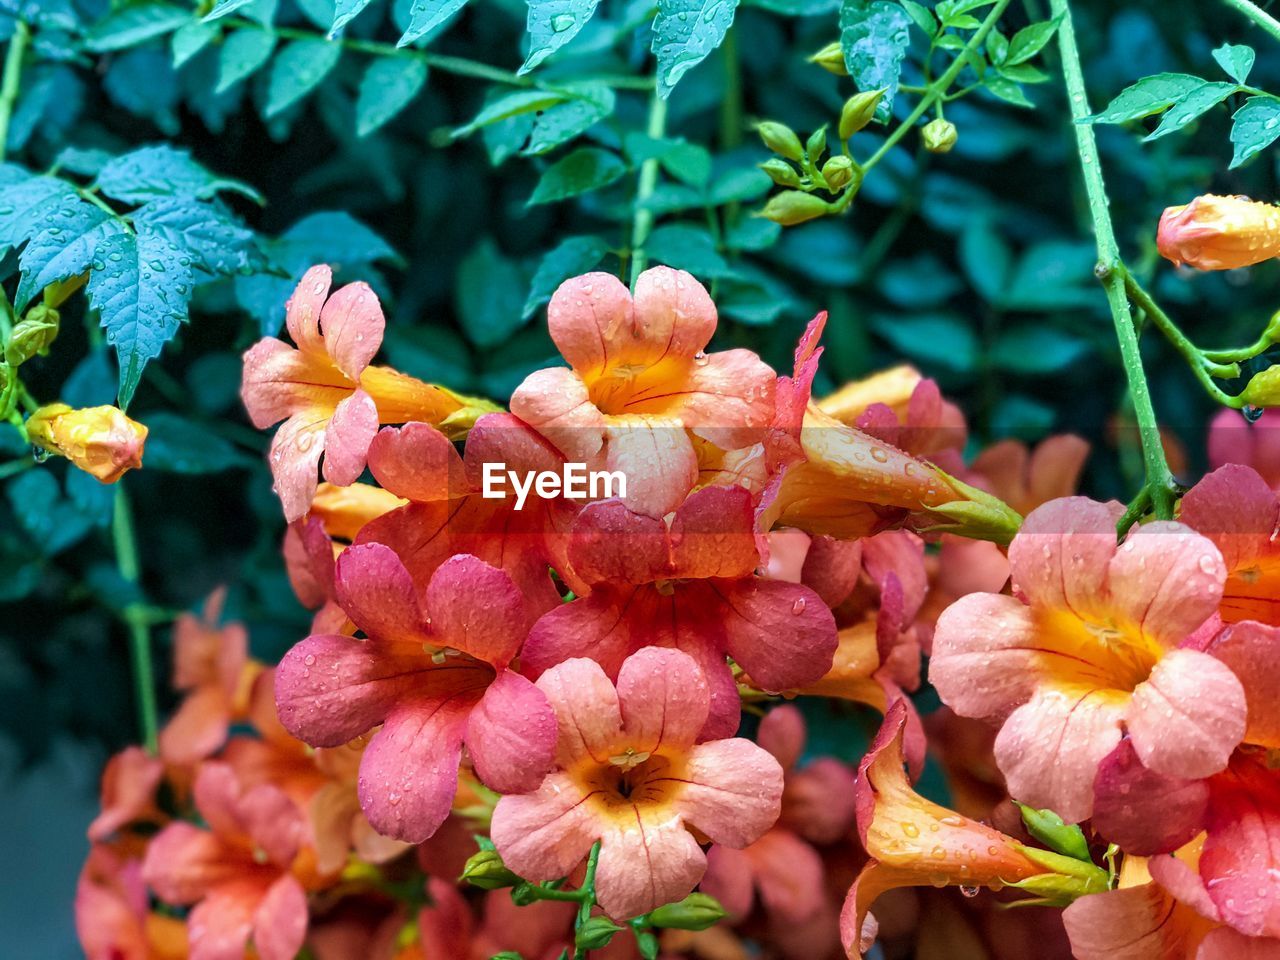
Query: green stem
[
  {"x": 588, "y": 896},
  {"x": 938, "y": 88},
  {"x": 1257, "y": 15},
  {"x": 731, "y": 106},
  {"x": 642, "y": 221},
  {"x": 1111, "y": 270},
  {"x": 15, "y": 467},
  {"x": 12, "y": 79},
  {"x": 1238, "y": 354},
  {"x": 136, "y": 617}
]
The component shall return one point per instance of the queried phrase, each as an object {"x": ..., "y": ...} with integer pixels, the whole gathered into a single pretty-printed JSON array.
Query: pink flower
[
  {"x": 690, "y": 585},
  {"x": 1026, "y": 479},
  {"x": 112, "y": 917},
  {"x": 640, "y": 383},
  {"x": 128, "y": 793},
  {"x": 1233, "y": 439},
  {"x": 236, "y": 873},
  {"x": 434, "y": 671},
  {"x": 628, "y": 774},
  {"x": 1090, "y": 646}
]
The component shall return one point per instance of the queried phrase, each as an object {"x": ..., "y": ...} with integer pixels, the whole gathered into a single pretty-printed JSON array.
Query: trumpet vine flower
[
  {"x": 101, "y": 441},
  {"x": 1219, "y": 233}
]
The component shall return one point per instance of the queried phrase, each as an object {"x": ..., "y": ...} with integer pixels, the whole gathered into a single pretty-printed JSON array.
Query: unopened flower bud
[
  {"x": 781, "y": 139},
  {"x": 858, "y": 111},
  {"x": 1263, "y": 389},
  {"x": 838, "y": 172},
  {"x": 595, "y": 933},
  {"x": 31, "y": 335},
  {"x": 816, "y": 145},
  {"x": 781, "y": 172},
  {"x": 939, "y": 135},
  {"x": 697, "y": 911},
  {"x": 487, "y": 871},
  {"x": 101, "y": 441},
  {"x": 1219, "y": 233},
  {"x": 831, "y": 59},
  {"x": 793, "y": 206}
]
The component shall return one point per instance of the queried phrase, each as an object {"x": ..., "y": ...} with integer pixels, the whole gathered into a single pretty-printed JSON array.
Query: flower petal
[
  {"x": 377, "y": 593},
  {"x": 280, "y": 922},
  {"x": 713, "y": 534},
  {"x": 352, "y": 324},
  {"x": 1059, "y": 557},
  {"x": 986, "y": 655},
  {"x": 588, "y": 713},
  {"x": 782, "y": 634},
  {"x": 129, "y": 785},
  {"x": 183, "y": 862},
  {"x": 612, "y": 544},
  {"x": 589, "y": 317},
  {"x": 198, "y": 728},
  {"x": 512, "y": 735},
  {"x": 545, "y": 834},
  {"x": 219, "y": 926},
  {"x": 295, "y": 454},
  {"x": 1241, "y": 857},
  {"x": 789, "y": 874},
  {"x": 1249, "y": 649},
  {"x": 674, "y": 315},
  {"x": 417, "y": 462},
  {"x": 645, "y": 863},
  {"x": 1145, "y": 812},
  {"x": 555, "y": 402},
  {"x": 658, "y": 460},
  {"x": 664, "y": 699},
  {"x": 1134, "y": 923},
  {"x": 726, "y": 398},
  {"x": 782, "y": 733},
  {"x": 1167, "y": 579},
  {"x": 602, "y": 626},
  {"x": 477, "y": 609},
  {"x": 351, "y": 429},
  {"x": 730, "y": 880},
  {"x": 734, "y": 791},
  {"x": 304, "y": 306}
]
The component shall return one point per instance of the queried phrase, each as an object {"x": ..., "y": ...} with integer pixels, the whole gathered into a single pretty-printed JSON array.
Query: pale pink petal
[
  {"x": 409, "y": 772},
  {"x": 613, "y": 545},
  {"x": 417, "y": 462},
  {"x": 268, "y": 386},
  {"x": 734, "y": 793},
  {"x": 352, "y": 324},
  {"x": 129, "y": 785},
  {"x": 1144, "y": 812},
  {"x": 111, "y": 908},
  {"x": 725, "y": 398},
  {"x": 332, "y": 811},
  {"x": 217, "y": 798},
  {"x": 1187, "y": 716},
  {"x": 219, "y": 926},
  {"x": 512, "y": 735},
  {"x": 674, "y": 314},
  {"x": 1227, "y": 944},
  {"x": 589, "y": 318},
  {"x": 985, "y": 655},
  {"x": 1135, "y": 923},
  {"x": 782, "y": 634},
  {"x": 1050, "y": 747},
  {"x": 1054, "y": 470},
  {"x": 1185, "y": 884},
  {"x": 377, "y": 593},
  {"x": 645, "y": 863},
  {"x": 818, "y": 802},
  {"x": 789, "y": 874},
  {"x": 1167, "y": 579},
  {"x": 477, "y": 609},
  {"x": 351, "y": 429},
  {"x": 280, "y": 922},
  {"x": 713, "y": 534},
  {"x": 588, "y": 714},
  {"x": 302, "y": 310},
  {"x": 597, "y": 626},
  {"x": 664, "y": 699},
  {"x": 730, "y": 880},
  {"x": 273, "y": 822},
  {"x": 1249, "y": 649},
  {"x": 782, "y": 733},
  {"x": 1060, "y": 556},
  {"x": 657, "y": 459},
  {"x": 197, "y": 729},
  {"x": 183, "y": 862},
  {"x": 555, "y": 402},
  {"x": 294, "y": 457},
  {"x": 545, "y": 834}
]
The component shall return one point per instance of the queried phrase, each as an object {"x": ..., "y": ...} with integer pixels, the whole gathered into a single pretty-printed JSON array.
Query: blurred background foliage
[{"x": 975, "y": 265}]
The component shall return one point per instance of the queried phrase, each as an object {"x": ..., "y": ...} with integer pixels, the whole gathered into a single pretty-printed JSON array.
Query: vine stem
[
  {"x": 137, "y": 618},
  {"x": 1110, "y": 269},
  {"x": 1259, "y": 16},
  {"x": 587, "y": 895},
  {"x": 12, "y": 79},
  {"x": 642, "y": 221}
]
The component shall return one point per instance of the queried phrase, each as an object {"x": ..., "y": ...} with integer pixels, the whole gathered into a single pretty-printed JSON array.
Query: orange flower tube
[
  {"x": 101, "y": 441},
  {"x": 1219, "y": 233}
]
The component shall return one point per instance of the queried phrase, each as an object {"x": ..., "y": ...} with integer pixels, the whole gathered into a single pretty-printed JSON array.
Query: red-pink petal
[
  {"x": 782, "y": 733},
  {"x": 789, "y": 874},
  {"x": 713, "y": 534},
  {"x": 613, "y": 545},
  {"x": 377, "y": 593},
  {"x": 730, "y": 880},
  {"x": 597, "y": 626},
  {"x": 417, "y": 462},
  {"x": 477, "y": 609},
  {"x": 1249, "y": 649},
  {"x": 1241, "y": 857},
  {"x": 1227, "y": 944},
  {"x": 129, "y": 785},
  {"x": 197, "y": 729},
  {"x": 646, "y": 863},
  {"x": 346, "y": 441},
  {"x": 545, "y": 834},
  {"x": 511, "y": 734},
  {"x": 218, "y": 928},
  {"x": 1144, "y": 812},
  {"x": 280, "y": 922},
  {"x": 818, "y": 802},
  {"x": 664, "y": 699},
  {"x": 352, "y": 324},
  {"x": 832, "y": 568},
  {"x": 782, "y": 634},
  {"x": 183, "y": 862},
  {"x": 734, "y": 793}
]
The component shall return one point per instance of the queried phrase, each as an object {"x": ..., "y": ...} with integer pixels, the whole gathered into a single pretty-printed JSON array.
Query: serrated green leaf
[
  {"x": 563, "y": 121},
  {"x": 874, "y": 35},
  {"x": 1007, "y": 91},
  {"x": 553, "y": 23},
  {"x": 1236, "y": 60},
  {"x": 243, "y": 54},
  {"x": 134, "y": 25},
  {"x": 190, "y": 39},
  {"x": 224, "y": 7},
  {"x": 386, "y": 88},
  {"x": 162, "y": 171},
  {"x": 921, "y": 16},
  {"x": 686, "y": 247},
  {"x": 344, "y": 11},
  {"x": 1192, "y": 106},
  {"x": 1149, "y": 95},
  {"x": 1029, "y": 41},
  {"x": 426, "y": 15},
  {"x": 581, "y": 171},
  {"x": 487, "y": 296},
  {"x": 298, "y": 69},
  {"x": 684, "y": 33},
  {"x": 516, "y": 104},
  {"x": 62, "y": 245},
  {"x": 216, "y": 242},
  {"x": 140, "y": 286},
  {"x": 23, "y": 200},
  {"x": 177, "y": 444},
  {"x": 572, "y": 257},
  {"x": 1255, "y": 126}
]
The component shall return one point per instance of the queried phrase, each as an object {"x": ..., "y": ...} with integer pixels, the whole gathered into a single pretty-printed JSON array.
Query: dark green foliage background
[{"x": 977, "y": 266}]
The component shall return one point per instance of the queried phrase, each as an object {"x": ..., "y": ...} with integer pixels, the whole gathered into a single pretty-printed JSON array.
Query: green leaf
[
  {"x": 1236, "y": 60},
  {"x": 1023, "y": 73},
  {"x": 1007, "y": 91},
  {"x": 986, "y": 259},
  {"x": 942, "y": 340},
  {"x": 224, "y": 7},
  {"x": 1029, "y": 41},
  {"x": 134, "y": 25},
  {"x": 243, "y": 54},
  {"x": 572, "y": 257},
  {"x": 24, "y": 198},
  {"x": 162, "y": 171},
  {"x": 510, "y": 105},
  {"x": 795, "y": 8},
  {"x": 344, "y": 11},
  {"x": 1037, "y": 349},
  {"x": 488, "y": 297},
  {"x": 51, "y": 521},
  {"x": 1191, "y": 106},
  {"x": 298, "y": 69},
  {"x": 178, "y": 445},
  {"x": 552, "y": 24},
  {"x": 62, "y": 246},
  {"x": 921, "y": 16},
  {"x": 684, "y": 33},
  {"x": 216, "y": 242},
  {"x": 1053, "y": 275},
  {"x": 686, "y": 247},
  {"x": 562, "y": 122},
  {"x": 140, "y": 287},
  {"x": 576, "y": 173},
  {"x": 739, "y": 185},
  {"x": 997, "y": 47},
  {"x": 1149, "y": 95},
  {"x": 386, "y": 88},
  {"x": 874, "y": 35},
  {"x": 1049, "y": 828},
  {"x": 333, "y": 237},
  {"x": 426, "y": 15},
  {"x": 190, "y": 39},
  {"x": 1255, "y": 127}
]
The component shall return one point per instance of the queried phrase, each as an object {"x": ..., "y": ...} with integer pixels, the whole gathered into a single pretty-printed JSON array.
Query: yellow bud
[
  {"x": 101, "y": 441},
  {"x": 939, "y": 135},
  {"x": 831, "y": 59},
  {"x": 838, "y": 172},
  {"x": 858, "y": 111},
  {"x": 1219, "y": 233},
  {"x": 32, "y": 335},
  {"x": 781, "y": 172},
  {"x": 1263, "y": 389},
  {"x": 487, "y": 871},
  {"x": 781, "y": 139},
  {"x": 793, "y": 206}
]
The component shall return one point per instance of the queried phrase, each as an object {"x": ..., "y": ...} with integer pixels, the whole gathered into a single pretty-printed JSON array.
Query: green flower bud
[
  {"x": 697, "y": 911},
  {"x": 858, "y": 111},
  {"x": 1070, "y": 879},
  {"x": 817, "y": 144},
  {"x": 939, "y": 135},
  {"x": 781, "y": 139},
  {"x": 32, "y": 335},
  {"x": 487, "y": 871},
  {"x": 1263, "y": 389},
  {"x": 595, "y": 933},
  {"x": 978, "y": 515},
  {"x": 793, "y": 206},
  {"x": 831, "y": 59},
  {"x": 1050, "y": 829},
  {"x": 507, "y": 955},
  {"x": 781, "y": 172},
  {"x": 524, "y": 893},
  {"x": 838, "y": 172},
  {"x": 648, "y": 945}
]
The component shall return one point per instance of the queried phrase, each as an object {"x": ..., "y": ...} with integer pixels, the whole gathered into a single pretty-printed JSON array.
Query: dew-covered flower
[
  {"x": 113, "y": 917},
  {"x": 1219, "y": 233},
  {"x": 1234, "y": 439},
  {"x": 630, "y": 775},
  {"x": 101, "y": 441}
]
